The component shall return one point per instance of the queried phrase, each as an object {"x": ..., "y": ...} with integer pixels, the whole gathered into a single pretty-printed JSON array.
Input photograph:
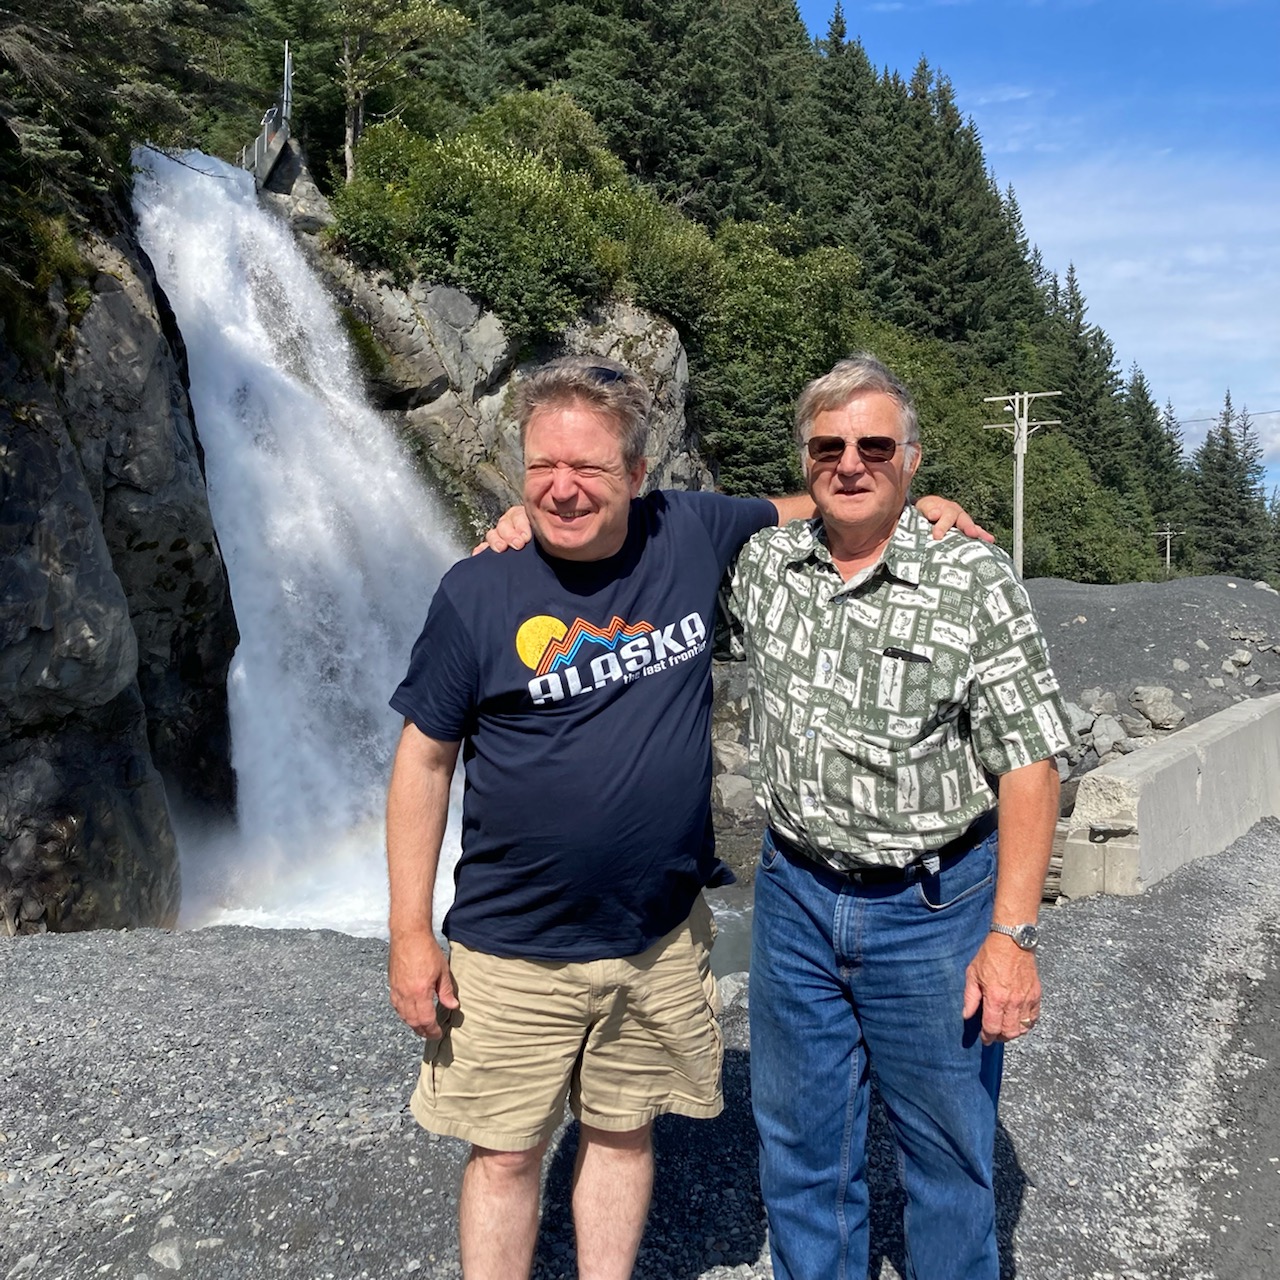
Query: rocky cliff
[
  {"x": 116, "y": 628},
  {"x": 446, "y": 368}
]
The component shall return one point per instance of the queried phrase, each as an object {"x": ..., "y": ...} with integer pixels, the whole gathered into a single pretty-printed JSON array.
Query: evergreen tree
[
  {"x": 79, "y": 86},
  {"x": 1232, "y": 527},
  {"x": 655, "y": 78},
  {"x": 378, "y": 40},
  {"x": 838, "y": 179},
  {"x": 907, "y": 193},
  {"x": 958, "y": 249},
  {"x": 1080, "y": 362},
  {"x": 777, "y": 70},
  {"x": 317, "y": 117},
  {"x": 1274, "y": 512},
  {"x": 847, "y": 127},
  {"x": 1158, "y": 439}
]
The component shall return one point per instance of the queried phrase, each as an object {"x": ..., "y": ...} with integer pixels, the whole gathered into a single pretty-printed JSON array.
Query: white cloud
[
  {"x": 1000, "y": 93},
  {"x": 1177, "y": 257}
]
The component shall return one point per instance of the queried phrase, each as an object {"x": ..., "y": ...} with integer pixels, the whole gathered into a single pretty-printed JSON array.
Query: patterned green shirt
[{"x": 879, "y": 705}]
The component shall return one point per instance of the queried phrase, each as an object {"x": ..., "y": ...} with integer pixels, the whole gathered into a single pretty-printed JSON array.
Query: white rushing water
[{"x": 332, "y": 545}]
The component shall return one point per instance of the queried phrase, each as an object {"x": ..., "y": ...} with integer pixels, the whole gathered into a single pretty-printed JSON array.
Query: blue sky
[{"x": 1142, "y": 138}]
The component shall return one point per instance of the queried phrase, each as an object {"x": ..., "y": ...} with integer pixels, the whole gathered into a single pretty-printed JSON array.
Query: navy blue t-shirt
[{"x": 582, "y": 694}]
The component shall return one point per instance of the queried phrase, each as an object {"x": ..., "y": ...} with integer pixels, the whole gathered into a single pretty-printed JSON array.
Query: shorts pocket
[
  {"x": 437, "y": 1055},
  {"x": 702, "y": 932},
  {"x": 960, "y": 880}
]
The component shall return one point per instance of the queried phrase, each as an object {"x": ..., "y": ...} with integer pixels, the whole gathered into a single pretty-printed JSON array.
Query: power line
[{"x": 1263, "y": 413}]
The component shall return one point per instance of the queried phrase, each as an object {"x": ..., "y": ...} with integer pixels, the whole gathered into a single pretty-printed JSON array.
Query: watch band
[{"x": 1026, "y": 936}]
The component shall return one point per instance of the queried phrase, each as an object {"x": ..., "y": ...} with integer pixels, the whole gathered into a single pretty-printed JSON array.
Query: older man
[
  {"x": 576, "y": 675},
  {"x": 899, "y": 684}
]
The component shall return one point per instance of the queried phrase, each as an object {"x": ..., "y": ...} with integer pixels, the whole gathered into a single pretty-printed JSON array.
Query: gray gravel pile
[
  {"x": 232, "y": 1103},
  {"x": 1213, "y": 640}
]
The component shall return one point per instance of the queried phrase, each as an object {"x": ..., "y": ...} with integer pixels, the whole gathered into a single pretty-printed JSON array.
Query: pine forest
[{"x": 781, "y": 200}]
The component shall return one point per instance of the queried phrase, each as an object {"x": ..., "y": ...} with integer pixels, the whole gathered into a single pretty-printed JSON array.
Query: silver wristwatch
[{"x": 1027, "y": 936}]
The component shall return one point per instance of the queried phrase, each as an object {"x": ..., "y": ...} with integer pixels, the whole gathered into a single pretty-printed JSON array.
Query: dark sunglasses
[{"x": 870, "y": 448}]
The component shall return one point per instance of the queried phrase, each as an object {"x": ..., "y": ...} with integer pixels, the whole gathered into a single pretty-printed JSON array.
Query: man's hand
[
  {"x": 1003, "y": 981},
  {"x": 512, "y": 532},
  {"x": 419, "y": 975},
  {"x": 944, "y": 515}
]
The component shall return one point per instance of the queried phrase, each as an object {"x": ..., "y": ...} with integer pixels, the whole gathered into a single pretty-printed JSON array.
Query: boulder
[
  {"x": 1154, "y": 702},
  {"x": 1108, "y": 734},
  {"x": 733, "y": 793},
  {"x": 729, "y": 756},
  {"x": 1081, "y": 721},
  {"x": 1098, "y": 701}
]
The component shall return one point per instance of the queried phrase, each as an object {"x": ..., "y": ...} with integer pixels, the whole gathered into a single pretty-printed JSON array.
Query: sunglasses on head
[{"x": 870, "y": 448}]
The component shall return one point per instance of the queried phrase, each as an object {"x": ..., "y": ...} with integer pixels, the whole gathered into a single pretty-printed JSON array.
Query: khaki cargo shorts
[{"x": 622, "y": 1040}]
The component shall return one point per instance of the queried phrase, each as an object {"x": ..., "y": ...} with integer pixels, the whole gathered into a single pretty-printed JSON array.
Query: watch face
[{"x": 1027, "y": 936}]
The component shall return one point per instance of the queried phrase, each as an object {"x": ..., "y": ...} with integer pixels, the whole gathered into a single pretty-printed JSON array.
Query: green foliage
[
  {"x": 551, "y": 127},
  {"x": 369, "y": 354},
  {"x": 524, "y": 211},
  {"x": 1074, "y": 529},
  {"x": 79, "y": 84},
  {"x": 378, "y": 43},
  {"x": 1231, "y": 525},
  {"x": 772, "y": 196},
  {"x": 664, "y": 262},
  {"x": 500, "y": 224}
]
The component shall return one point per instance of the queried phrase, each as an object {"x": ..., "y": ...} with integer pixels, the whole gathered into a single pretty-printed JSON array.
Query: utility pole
[
  {"x": 1168, "y": 534},
  {"x": 1018, "y": 403}
]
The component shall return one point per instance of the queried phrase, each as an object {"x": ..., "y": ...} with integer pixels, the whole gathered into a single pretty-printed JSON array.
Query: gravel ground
[{"x": 232, "y": 1103}]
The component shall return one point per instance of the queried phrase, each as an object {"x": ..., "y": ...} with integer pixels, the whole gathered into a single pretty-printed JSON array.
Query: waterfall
[{"x": 333, "y": 549}]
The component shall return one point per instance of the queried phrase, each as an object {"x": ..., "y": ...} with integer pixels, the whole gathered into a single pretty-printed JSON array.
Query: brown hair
[{"x": 611, "y": 388}]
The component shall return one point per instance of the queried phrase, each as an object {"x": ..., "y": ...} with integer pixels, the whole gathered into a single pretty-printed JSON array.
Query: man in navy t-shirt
[{"x": 575, "y": 674}]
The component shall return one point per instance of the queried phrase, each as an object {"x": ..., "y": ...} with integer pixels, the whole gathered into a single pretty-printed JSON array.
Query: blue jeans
[{"x": 848, "y": 979}]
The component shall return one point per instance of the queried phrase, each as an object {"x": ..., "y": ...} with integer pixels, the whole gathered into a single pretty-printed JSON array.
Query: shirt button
[{"x": 808, "y": 733}]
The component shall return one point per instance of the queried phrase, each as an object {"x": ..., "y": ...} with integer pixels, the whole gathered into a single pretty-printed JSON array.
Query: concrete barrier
[{"x": 1191, "y": 794}]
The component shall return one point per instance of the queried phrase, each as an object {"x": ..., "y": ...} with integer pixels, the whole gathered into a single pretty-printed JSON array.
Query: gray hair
[
  {"x": 612, "y": 389},
  {"x": 855, "y": 374}
]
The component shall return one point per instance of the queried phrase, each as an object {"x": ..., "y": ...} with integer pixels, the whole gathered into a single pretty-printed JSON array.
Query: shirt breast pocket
[{"x": 911, "y": 693}]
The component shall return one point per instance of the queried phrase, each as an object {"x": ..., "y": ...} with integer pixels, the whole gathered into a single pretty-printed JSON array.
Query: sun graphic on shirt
[{"x": 534, "y": 635}]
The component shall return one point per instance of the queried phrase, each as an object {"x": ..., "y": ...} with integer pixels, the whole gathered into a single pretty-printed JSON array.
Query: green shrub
[
  {"x": 551, "y": 127},
  {"x": 533, "y": 237}
]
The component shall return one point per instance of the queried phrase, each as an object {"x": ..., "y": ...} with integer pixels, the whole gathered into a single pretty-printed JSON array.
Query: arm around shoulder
[{"x": 795, "y": 506}]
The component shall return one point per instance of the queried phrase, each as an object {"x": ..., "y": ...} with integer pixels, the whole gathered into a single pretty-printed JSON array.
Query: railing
[{"x": 260, "y": 157}]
